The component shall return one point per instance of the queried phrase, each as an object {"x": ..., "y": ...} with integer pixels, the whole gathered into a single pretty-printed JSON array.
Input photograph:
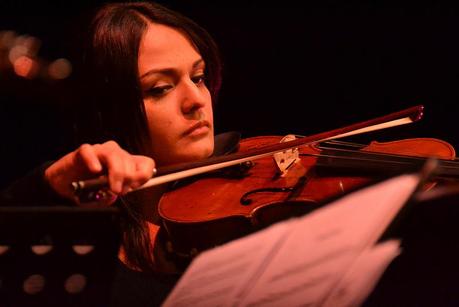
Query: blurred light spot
[
  {"x": 83, "y": 249},
  {"x": 60, "y": 69},
  {"x": 16, "y": 52},
  {"x": 4, "y": 249},
  {"x": 19, "y": 40},
  {"x": 34, "y": 284},
  {"x": 75, "y": 283},
  {"x": 25, "y": 67},
  {"x": 41, "y": 249}
]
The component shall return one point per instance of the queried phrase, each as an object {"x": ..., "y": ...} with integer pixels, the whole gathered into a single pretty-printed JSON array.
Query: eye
[
  {"x": 158, "y": 91},
  {"x": 199, "y": 79}
]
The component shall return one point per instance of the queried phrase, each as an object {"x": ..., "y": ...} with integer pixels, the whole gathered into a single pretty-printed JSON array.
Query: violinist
[{"x": 151, "y": 77}]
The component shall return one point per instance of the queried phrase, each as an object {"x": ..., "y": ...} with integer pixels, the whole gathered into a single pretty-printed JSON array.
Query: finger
[
  {"x": 145, "y": 169},
  {"x": 130, "y": 173},
  {"x": 111, "y": 156},
  {"x": 87, "y": 153}
]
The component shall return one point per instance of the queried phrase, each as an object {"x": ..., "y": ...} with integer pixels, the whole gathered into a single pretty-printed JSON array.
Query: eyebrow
[{"x": 169, "y": 71}]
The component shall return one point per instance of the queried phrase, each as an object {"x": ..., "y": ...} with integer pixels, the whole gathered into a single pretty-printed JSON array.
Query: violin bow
[{"x": 93, "y": 189}]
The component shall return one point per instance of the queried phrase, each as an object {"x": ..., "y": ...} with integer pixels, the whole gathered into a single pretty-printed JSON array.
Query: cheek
[
  {"x": 155, "y": 121},
  {"x": 160, "y": 125}
]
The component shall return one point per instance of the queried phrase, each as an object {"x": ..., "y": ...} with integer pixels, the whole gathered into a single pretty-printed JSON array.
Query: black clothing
[{"x": 132, "y": 288}]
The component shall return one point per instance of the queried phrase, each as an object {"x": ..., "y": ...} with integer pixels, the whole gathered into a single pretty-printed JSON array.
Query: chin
[
  {"x": 201, "y": 153},
  {"x": 192, "y": 152},
  {"x": 200, "y": 150}
]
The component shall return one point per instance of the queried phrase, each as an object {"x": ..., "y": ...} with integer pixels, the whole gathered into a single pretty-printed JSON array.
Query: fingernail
[{"x": 117, "y": 187}]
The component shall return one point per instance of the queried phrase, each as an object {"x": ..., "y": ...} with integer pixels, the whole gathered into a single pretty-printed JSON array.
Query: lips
[{"x": 195, "y": 127}]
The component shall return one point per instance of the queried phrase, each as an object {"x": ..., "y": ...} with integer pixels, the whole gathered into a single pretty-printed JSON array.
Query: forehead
[{"x": 162, "y": 46}]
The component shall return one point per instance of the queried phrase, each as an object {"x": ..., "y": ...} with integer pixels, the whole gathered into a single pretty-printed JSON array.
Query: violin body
[{"x": 218, "y": 207}]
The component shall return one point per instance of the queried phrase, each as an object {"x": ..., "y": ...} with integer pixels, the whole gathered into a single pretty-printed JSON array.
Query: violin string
[
  {"x": 357, "y": 145},
  {"x": 351, "y": 158},
  {"x": 444, "y": 164},
  {"x": 343, "y": 143},
  {"x": 376, "y": 157},
  {"x": 446, "y": 161}
]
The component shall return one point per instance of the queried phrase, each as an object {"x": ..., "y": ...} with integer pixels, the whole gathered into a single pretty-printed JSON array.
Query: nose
[{"x": 194, "y": 97}]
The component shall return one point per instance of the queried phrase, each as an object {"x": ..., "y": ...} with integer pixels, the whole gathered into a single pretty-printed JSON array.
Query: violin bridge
[{"x": 285, "y": 159}]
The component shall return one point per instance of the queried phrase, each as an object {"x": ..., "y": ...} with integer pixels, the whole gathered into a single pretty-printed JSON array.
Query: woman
[{"x": 151, "y": 75}]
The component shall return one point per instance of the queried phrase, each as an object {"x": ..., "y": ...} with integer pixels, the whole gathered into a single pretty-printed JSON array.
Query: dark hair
[{"x": 114, "y": 108}]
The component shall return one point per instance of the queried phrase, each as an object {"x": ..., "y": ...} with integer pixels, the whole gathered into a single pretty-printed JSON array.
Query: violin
[
  {"x": 244, "y": 191},
  {"x": 218, "y": 207}
]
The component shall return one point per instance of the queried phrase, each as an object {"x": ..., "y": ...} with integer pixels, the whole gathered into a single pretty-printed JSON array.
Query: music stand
[{"x": 57, "y": 256}]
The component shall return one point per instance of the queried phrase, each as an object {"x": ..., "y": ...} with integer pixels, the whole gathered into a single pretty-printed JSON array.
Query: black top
[{"x": 132, "y": 288}]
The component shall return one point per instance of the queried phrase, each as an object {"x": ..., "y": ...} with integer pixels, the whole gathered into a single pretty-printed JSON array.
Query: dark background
[{"x": 289, "y": 68}]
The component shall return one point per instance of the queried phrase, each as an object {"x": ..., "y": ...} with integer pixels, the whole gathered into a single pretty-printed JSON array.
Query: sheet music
[{"x": 300, "y": 261}]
